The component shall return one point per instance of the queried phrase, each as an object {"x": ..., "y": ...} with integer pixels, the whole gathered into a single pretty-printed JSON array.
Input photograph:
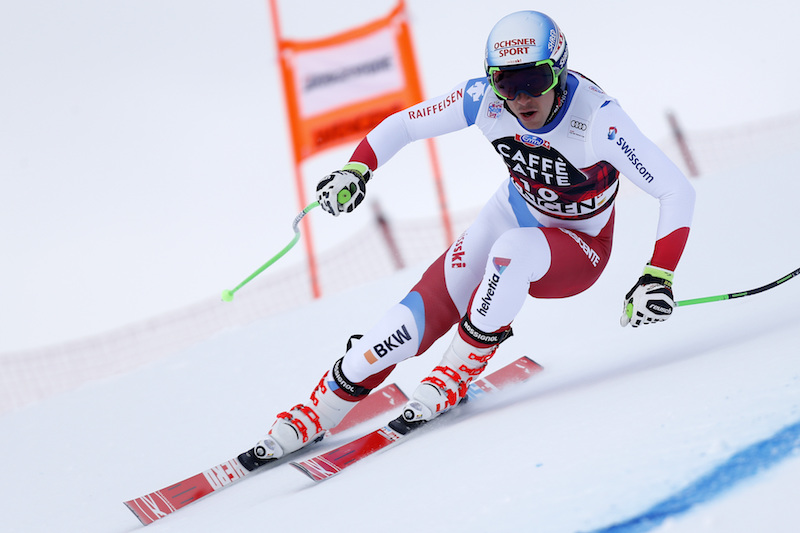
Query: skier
[{"x": 547, "y": 232}]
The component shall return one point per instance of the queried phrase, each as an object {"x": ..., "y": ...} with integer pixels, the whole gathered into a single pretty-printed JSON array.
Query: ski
[
  {"x": 328, "y": 464},
  {"x": 161, "y": 503}
]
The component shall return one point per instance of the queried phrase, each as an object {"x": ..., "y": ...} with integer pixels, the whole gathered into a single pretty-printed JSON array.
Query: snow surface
[{"x": 620, "y": 421}]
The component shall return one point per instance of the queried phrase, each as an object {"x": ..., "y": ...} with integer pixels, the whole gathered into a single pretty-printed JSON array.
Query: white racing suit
[{"x": 547, "y": 232}]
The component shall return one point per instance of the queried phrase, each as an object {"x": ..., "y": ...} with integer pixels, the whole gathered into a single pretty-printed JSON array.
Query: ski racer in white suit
[{"x": 546, "y": 232}]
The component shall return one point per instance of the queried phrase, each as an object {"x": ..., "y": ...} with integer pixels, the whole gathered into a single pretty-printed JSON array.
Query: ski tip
[{"x": 528, "y": 363}]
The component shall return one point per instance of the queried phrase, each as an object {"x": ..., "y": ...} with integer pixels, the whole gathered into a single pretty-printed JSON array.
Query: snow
[{"x": 620, "y": 421}]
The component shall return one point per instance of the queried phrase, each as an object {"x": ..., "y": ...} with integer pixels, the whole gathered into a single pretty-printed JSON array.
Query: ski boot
[
  {"x": 446, "y": 386},
  {"x": 331, "y": 400},
  {"x": 305, "y": 423}
]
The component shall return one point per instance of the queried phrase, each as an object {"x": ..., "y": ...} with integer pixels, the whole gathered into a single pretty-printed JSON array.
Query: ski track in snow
[{"x": 749, "y": 462}]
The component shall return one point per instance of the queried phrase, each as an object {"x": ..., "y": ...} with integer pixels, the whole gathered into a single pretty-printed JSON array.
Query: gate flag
[{"x": 340, "y": 87}]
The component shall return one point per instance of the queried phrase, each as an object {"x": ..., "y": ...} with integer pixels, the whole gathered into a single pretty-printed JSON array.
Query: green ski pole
[
  {"x": 742, "y": 294},
  {"x": 227, "y": 295}
]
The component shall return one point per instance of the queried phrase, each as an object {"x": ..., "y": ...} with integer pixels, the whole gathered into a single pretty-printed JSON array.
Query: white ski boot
[
  {"x": 304, "y": 424},
  {"x": 447, "y": 384}
]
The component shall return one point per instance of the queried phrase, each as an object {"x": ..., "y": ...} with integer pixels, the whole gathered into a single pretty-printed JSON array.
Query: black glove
[{"x": 650, "y": 300}]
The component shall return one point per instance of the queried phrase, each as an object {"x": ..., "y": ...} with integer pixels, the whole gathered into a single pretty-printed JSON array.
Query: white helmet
[{"x": 525, "y": 39}]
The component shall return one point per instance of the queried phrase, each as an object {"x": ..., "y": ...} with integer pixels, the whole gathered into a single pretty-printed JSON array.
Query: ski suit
[{"x": 546, "y": 232}]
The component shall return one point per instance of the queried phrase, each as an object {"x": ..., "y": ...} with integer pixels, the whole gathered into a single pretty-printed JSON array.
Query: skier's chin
[{"x": 530, "y": 119}]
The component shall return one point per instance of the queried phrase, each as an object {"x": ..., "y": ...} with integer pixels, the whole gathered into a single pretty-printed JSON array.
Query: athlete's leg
[
  {"x": 408, "y": 328},
  {"x": 436, "y": 302},
  {"x": 541, "y": 261},
  {"x": 578, "y": 260}
]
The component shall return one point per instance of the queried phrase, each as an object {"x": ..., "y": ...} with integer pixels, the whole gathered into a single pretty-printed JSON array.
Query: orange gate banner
[{"x": 339, "y": 87}]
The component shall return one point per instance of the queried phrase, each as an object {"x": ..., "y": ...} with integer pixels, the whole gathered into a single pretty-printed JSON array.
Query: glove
[
  {"x": 650, "y": 300},
  {"x": 343, "y": 190}
]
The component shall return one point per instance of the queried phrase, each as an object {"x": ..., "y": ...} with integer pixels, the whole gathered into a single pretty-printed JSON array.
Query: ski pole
[
  {"x": 733, "y": 295},
  {"x": 227, "y": 295}
]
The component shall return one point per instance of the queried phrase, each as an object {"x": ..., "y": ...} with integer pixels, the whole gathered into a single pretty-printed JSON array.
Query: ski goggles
[{"x": 534, "y": 79}]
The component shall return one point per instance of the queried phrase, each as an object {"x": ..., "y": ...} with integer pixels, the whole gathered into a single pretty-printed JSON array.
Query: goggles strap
[{"x": 558, "y": 102}]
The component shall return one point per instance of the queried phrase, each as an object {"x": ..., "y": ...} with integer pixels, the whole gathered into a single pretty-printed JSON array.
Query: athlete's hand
[
  {"x": 343, "y": 190},
  {"x": 650, "y": 299}
]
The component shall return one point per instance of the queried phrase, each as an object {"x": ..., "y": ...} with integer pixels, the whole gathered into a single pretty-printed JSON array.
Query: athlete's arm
[
  {"x": 617, "y": 140},
  {"x": 437, "y": 116}
]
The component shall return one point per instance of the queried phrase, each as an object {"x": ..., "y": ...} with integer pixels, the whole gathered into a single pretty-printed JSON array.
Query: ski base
[{"x": 330, "y": 463}]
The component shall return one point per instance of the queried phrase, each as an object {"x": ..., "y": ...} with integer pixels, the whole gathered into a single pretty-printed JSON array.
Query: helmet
[{"x": 524, "y": 38}]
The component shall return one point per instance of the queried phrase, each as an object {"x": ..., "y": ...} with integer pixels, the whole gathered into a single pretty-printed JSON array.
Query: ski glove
[
  {"x": 650, "y": 300},
  {"x": 343, "y": 190}
]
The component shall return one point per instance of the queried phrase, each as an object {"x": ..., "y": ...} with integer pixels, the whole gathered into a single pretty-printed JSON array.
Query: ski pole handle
[
  {"x": 742, "y": 294},
  {"x": 227, "y": 295}
]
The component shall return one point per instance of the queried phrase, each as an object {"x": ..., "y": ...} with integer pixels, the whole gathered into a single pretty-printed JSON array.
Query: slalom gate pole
[
  {"x": 742, "y": 294},
  {"x": 227, "y": 295}
]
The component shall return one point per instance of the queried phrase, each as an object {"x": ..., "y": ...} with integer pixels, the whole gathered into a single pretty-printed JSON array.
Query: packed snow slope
[{"x": 679, "y": 423}]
